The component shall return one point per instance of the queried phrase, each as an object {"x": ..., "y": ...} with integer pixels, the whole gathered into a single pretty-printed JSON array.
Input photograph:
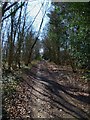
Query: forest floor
[{"x": 46, "y": 91}]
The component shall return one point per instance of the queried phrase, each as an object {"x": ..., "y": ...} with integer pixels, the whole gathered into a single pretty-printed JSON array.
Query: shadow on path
[{"x": 58, "y": 93}]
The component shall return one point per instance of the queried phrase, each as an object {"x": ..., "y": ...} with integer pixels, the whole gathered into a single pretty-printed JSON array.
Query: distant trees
[
  {"x": 14, "y": 36},
  {"x": 13, "y": 31},
  {"x": 18, "y": 39},
  {"x": 66, "y": 42},
  {"x": 68, "y": 34}
]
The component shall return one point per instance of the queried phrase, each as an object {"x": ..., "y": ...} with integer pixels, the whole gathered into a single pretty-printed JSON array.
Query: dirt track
[{"x": 49, "y": 91}]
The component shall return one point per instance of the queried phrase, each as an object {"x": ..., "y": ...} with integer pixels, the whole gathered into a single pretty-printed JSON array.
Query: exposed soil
[{"x": 48, "y": 91}]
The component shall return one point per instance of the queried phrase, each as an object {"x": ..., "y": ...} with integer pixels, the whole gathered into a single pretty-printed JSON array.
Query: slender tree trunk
[
  {"x": 29, "y": 58},
  {"x": 30, "y": 53},
  {"x": 0, "y": 69},
  {"x": 11, "y": 46}
]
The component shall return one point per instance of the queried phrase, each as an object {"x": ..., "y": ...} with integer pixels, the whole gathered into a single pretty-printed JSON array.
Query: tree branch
[
  {"x": 4, "y": 10},
  {"x": 13, "y": 11}
]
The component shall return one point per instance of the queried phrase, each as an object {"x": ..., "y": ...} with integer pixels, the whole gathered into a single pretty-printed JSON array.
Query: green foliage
[{"x": 69, "y": 31}]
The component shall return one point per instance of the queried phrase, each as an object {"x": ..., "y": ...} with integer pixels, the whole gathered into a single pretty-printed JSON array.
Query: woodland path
[{"x": 49, "y": 91}]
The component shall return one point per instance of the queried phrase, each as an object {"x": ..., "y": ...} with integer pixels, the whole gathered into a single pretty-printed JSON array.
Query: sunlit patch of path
[
  {"x": 39, "y": 110},
  {"x": 49, "y": 91},
  {"x": 52, "y": 92},
  {"x": 51, "y": 100}
]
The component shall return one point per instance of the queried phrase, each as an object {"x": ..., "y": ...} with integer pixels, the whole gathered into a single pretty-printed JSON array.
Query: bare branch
[
  {"x": 13, "y": 11},
  {"x": 35, "y": 17},
  {"x": 4, "y": 10}
]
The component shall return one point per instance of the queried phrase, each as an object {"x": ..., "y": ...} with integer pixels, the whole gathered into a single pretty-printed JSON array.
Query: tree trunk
[{"x": 11, "y": 45}]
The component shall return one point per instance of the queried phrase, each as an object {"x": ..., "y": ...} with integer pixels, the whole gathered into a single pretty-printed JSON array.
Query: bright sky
[{"x": 34, "y": 8}]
